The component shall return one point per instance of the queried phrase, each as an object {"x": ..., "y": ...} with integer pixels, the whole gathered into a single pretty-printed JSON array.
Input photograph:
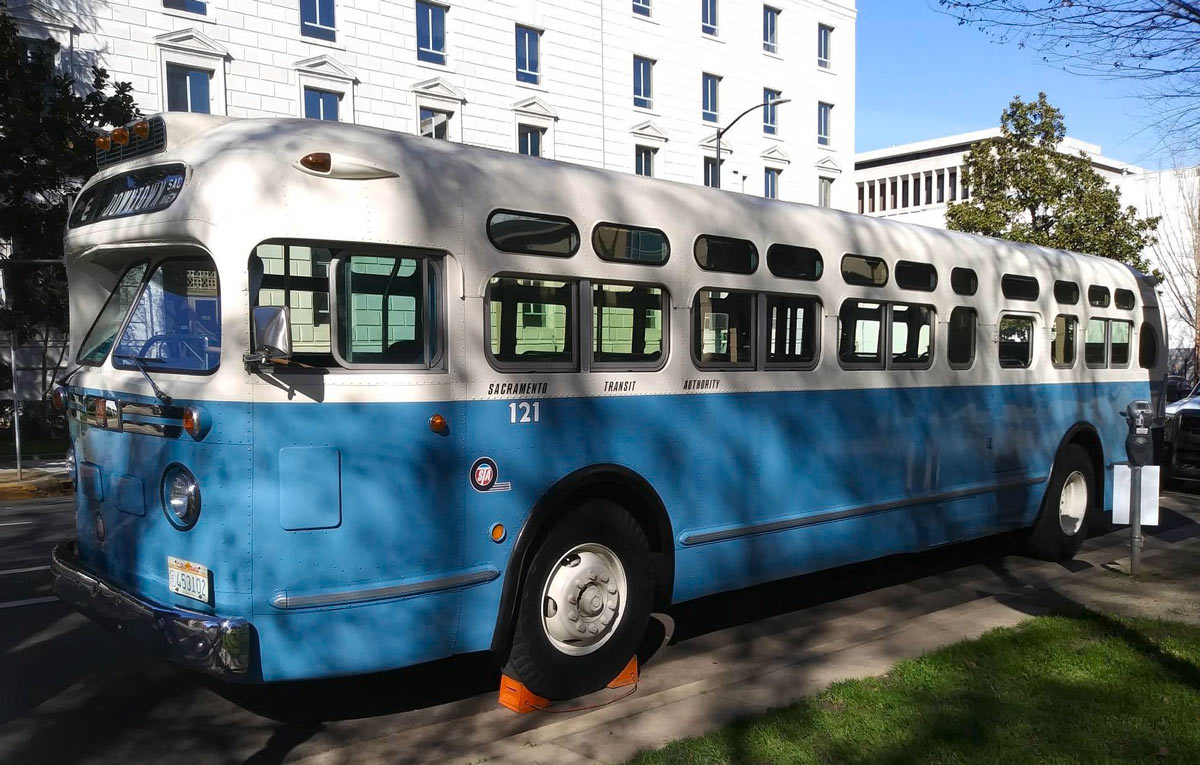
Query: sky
[{"x": 921, "y": 76}]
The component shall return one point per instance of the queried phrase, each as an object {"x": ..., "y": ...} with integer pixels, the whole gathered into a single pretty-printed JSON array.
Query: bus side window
[
  {"x": 792, "y": 321},
  {"x": 531, "y": 323},
  {"x": 1062, "y": 341},
  {"x": 1016, "y": 341},
  {"x": 297, "y": 276},
  {"x": 860, "y": 334},
  {"x": 1093, "y": 343},
  {"x": 912, "y": 336},
  {"x": 386, "y": 312},
  {"x": 627, "y": 325},
  {"x": 1120, "y": 335},
  {"x": 723, "y": 329},
  {"x": 960, "y": 338}
]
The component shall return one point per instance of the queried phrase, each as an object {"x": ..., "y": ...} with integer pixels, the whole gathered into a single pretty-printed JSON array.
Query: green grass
[{"x": 1056, "y": 689}]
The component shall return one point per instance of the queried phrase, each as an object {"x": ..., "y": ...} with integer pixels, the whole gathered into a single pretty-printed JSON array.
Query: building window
[
  {"x": 316, "y": 19},
  {"x": 770, "y": 125},
  {"x": 529, "y": 67},
  {"x": 824, "y": 42},
  {"x": 771, "y": 182},
  {"x": 191, "y": 6},
  {"x": 188, "y": 89},
  {"x": 825, "y": 192},
  {"x": 711, "y": 174},
  {"x": 708, "y": 17},
  {"x": 641, "y": 7},
  {"x": 824, "y": 113},
  {"x": 529, "y": 140},
  {"x": 643, "y": 94},
  {"x": 710, "y": 83},
  {"x": 770, "y": 29},
  {"x": 644, "y": 161},
  {"x": 435, "y": 123},
  {"x": 431, "y": 33},
  {"x": 952, "y": 184},
  {"x": 904, "y": 192},
  {"x": 321, "y": 104}
]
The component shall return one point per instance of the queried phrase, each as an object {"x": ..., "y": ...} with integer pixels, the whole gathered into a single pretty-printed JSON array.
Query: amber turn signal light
[
  {"x": 141, "y": 129},
  {"x": 120, "y": 136},
  {"x": 103, "y": 142},
  {"x": 58, "y": 399},
  {"x": 318, "y": 162},
  {"x": 189, "y": 421},
  {"x": 498, "y": 533},
  {"x": 437, "y": 424}
]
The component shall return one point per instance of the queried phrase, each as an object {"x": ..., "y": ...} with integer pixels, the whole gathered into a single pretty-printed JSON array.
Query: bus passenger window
[
  {"x": 863, "y": 271},
  {"x": 1124, "y": 299},
  {"x": 630, "y": 244},
  {"x": 916, "y": 276},
  {"x": 964, "y": 281},
  {"x": 297, "y": 276},
  {"x": 627, "y": 325},
  {"x": 1120, "y": 335},
  {"x": 1147, "y": 347},
  {"x": 860, "y": 334},
  {"x": 1066, "y": 292},
  {"x": 1093, "y": 342},
  {"x": 1016, "y": 287},
  {"x": 723, "y": 329},
  {"x": 1098, "y": 296},
  {"x": 1062, "y": 340},
  {"x": 531, "y": 322},
  {"x": 532, "y": 234},
  {"x": 793, "y": 322},
  {"x": 791, "y": 262},
  {"x": 912, "y": 335},
  {"x": 960, "y": 337},
  {"x": 1016, "y": 341},
  {"x": 385, "y": 311},
  {"x": 721, "y": 253}
]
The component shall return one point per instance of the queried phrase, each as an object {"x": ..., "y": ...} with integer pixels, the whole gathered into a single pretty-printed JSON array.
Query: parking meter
[{"x": 1138, "y": 446}]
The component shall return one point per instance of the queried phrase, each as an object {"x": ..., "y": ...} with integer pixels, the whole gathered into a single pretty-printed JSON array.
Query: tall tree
[
  {"x": 1023, "y": 188},
  {"x": 47, "y": 130}
]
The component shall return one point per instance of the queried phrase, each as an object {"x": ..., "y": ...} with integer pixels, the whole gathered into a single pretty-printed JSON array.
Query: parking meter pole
[
  {"x": 1139, "y": 451},
  {"x": 16, "y": 411},
  {"x": 1135, "y": 519}
]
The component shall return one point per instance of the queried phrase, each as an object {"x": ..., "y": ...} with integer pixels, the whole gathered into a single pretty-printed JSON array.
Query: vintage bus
[{"x": 351, "y": 400}]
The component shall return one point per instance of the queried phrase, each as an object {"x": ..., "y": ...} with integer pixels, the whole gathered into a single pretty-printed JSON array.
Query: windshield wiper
[{"x": 140, "y": 363}]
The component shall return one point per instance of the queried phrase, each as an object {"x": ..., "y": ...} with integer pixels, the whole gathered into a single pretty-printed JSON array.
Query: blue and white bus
[{"x": 352, "y": 400}]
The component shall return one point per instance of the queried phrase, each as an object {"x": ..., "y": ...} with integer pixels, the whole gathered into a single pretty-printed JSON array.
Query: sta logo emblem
[{"x": 483, "y": 474}]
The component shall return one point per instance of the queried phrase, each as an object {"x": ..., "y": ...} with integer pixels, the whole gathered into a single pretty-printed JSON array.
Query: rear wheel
[
  {"x": 585, "y": 603},
  {"x": 1067, "y": 507}
]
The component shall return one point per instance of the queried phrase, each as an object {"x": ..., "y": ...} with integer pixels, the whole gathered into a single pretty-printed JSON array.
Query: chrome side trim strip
[
  {"x": 723, "y": 535},
  {"x": 285, "y": 601}
]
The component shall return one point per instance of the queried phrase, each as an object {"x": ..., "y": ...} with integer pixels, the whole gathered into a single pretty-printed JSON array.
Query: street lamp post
[{"x": 723, "y": 130}]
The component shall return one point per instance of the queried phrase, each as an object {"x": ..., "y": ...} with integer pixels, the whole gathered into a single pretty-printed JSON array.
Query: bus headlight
[{"x": 180, "y": 497}]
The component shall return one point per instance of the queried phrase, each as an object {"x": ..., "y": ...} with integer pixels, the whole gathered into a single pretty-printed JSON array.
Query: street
[{"x": 72, "y": 692}]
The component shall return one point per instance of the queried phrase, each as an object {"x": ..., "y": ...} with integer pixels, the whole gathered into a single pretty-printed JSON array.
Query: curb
[{"x": 42, "y": 486}]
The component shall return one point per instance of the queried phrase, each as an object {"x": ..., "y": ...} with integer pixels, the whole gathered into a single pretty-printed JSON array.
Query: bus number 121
[{"x": 523, "y": 411}]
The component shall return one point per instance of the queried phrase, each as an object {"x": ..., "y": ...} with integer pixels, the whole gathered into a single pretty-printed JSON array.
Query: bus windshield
[
  {"x": 100, "y": 339},
  {"x": 176, "y": 323}
]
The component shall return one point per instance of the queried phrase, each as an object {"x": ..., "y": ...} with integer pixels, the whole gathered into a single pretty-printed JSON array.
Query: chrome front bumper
[{"x": 217, "y": 645}]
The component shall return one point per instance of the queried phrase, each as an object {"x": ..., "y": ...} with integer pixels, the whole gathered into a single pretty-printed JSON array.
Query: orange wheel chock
[
  {"x": 628, "y": 676},
  {"x": 518, "y": 698}
]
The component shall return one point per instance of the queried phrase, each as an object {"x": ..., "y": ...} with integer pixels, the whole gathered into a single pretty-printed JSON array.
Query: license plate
[{"x": 187, "y": 579}]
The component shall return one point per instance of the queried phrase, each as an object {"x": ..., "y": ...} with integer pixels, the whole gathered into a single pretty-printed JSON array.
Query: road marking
[
  {"x": 24, "y": 570},
  {"x": 17, "y": 523},
  {"x": 30, "y": 602}
]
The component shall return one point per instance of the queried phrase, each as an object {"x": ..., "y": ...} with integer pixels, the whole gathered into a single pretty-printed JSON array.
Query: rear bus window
[
  {"x": 532, "y": 234},
  {"x": 860, "y": 334},
  {"x": 723, "y": 329},
  {"x": 1062, "y": 341},
  {"x": 792, "y": 322},
  {"x": 386, "y": 311},
  {"x": 864, "y": 271},
  {"x": 916, "y": 276},
  {"x": 1016, "y": 341},
  {"x": 629, "y": 244},
  {"x": 531, "y": 322},
  {"x": 1016, "y": 287},
  {"x": 627, "y": 325},
  {"x": 1093, "y": 343},
  {"x": 792, "y": 262},
  {"x": 912, "y": 336},
  {"x": 960, "y": 338},
  {"x": 1120, "y": 335},
  {"x": 722, "y": 253}
]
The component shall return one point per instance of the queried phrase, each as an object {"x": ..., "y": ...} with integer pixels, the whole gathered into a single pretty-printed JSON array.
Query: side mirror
[{"x": 272, "y": 331}]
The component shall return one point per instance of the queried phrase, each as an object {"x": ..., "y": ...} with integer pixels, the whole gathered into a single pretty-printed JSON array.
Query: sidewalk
[{"x": 41, "y": 478}]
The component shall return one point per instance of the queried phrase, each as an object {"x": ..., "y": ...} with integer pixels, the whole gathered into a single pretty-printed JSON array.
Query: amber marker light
[
  {"x": 103, "y": 142},
  {"x": 58, "y": 399},
  {"x": 120, "y": 136},
  {"x": 318, "y": 162},
  {"x": 437, "y": 424},
  {"x": 190, "y": 421},
  {"x": 141, "y": 129},
  {"x": 498, "y": 533}
]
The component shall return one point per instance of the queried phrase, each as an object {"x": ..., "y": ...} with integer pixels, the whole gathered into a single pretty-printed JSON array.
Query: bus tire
[
  {"x": 585, "y": 603},
  {"x": 1067, "y": 507}
]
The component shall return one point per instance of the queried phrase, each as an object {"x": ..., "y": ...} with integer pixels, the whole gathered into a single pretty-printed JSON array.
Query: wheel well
[
  {"x": 613, "y": 482},
  {"x": 1085, "y": 436}
]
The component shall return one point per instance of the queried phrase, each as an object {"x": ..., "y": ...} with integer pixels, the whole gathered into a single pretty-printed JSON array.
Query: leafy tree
[
  {"x": 1025, "y": 190},
  {"x": 47, "y": 151}
]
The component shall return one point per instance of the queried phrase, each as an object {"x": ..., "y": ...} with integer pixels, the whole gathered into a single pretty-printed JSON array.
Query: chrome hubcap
[
  {"x": 1072, "y": 503},
  {"x": 583, "y": 599}
]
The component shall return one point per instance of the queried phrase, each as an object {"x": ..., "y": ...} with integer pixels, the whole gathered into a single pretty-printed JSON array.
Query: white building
[
  {"x": 628, "y": 85},
  {"x": 915, "y": 182}
]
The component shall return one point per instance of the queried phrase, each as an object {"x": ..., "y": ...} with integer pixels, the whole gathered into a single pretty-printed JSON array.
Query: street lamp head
[{"x": 779, "y": 101}]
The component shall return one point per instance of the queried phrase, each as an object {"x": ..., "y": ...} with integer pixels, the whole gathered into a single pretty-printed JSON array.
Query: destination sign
[{"x": 135, "y": 193}]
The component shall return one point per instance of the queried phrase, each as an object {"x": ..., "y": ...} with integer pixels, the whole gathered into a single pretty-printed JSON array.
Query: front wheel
[
  {"x": 1067, "y": 507},
  {"x": 585, "y": 603}
]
